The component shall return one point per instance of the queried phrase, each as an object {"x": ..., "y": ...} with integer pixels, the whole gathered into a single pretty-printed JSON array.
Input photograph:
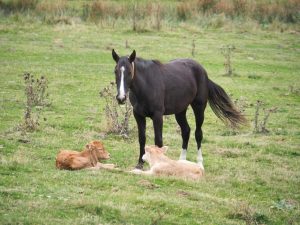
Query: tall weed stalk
[{"x": 117, "y": 117}]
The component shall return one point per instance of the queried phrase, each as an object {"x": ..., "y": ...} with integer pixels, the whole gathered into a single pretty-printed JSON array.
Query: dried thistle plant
[
  {"x": 35, "y": 90},
  {"x": 117, "y": 117},
  {"x": 227, "y": 52},
  {"x": 193, "y": 48},
  {"x": 36, "y": 99},
  {"x": 260, "y": 125}
]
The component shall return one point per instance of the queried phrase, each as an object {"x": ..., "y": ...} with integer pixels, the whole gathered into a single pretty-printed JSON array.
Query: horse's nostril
[{"x": 121, "y": 100}]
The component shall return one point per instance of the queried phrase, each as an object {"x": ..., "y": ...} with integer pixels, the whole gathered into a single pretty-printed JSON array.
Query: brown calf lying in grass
[
  {"x": 88, "y": 158},
  {"x": 162, "y": 165}
]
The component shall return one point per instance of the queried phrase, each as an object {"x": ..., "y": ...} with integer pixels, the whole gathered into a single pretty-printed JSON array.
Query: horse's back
[
  {"x": 187, "y": 71},
  {"x": 183, "y": 78}
]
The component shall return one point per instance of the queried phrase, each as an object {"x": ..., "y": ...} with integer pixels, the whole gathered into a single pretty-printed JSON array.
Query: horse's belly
[
  {"x": 179, "y": 101},
  {"x": 175, "y": 109}
]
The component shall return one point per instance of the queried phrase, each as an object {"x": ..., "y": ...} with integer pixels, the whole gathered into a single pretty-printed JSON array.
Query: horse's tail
[{"x": 223, "y": 107}]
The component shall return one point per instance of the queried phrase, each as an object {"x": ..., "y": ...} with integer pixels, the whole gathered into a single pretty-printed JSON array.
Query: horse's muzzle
[{"x": 120, "y": 100}]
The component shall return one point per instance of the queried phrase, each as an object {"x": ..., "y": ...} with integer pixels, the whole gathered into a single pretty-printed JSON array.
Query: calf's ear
[
  {"x": 147, "y": 148},
  {"x": 164, "y": 149}
]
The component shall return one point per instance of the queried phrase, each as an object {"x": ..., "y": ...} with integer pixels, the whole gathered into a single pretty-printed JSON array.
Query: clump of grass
[
  {"x": 99, "y": 10},
  {"x": 134, "y": 17},
  {"x": 227, "y": 52},
  {"x": 267, "y": 12},
  {"x": 158, "y": 16},
  {"x": 293, "y": 90},
  {"x": 54, "y": 12},
  {"x": 242, "y": 211},
  {"x": 254, "y": 76},
  {"x": 158, "y": 219},
  {"x": 260, "y": 125},
  {"x": 140, "y": 14},
  {"x": 240, "y": 7},
  {"x": 284, "y": 204},
  {"x": 36, "y": 99},
  {"x": 223, "y": 6},
  {"x": 183, "y": 11},
  {"x": 153, "y": 14},
  {"x": 117, "y": 117},
  {"x": 56, "y": 7},
  {"x": 205, "y": 5}
]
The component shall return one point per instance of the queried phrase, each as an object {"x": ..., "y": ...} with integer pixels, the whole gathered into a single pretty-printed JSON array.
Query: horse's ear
[
  {"x": 115, "y": 56},
  {"x": 132, "y": 57}
]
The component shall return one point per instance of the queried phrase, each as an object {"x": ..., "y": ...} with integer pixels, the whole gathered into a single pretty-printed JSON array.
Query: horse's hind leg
[
  {"x": 199, "y": 116},
  {"x": 185, "y": 132}
]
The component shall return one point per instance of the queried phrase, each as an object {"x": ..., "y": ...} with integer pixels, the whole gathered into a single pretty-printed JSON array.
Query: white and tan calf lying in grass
[{"x": 160, "y": 164}]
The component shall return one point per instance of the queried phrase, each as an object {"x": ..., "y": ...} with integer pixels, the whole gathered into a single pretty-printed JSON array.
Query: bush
[
  {"x": 57, "y": 7},
  {"x": 183, "y": 11},
  {"x": 17, "y": 5},
  {"x": 205, "y": 5}
]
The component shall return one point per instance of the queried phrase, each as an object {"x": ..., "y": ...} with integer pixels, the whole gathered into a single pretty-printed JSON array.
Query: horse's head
[{"x": 124, "y": 72}]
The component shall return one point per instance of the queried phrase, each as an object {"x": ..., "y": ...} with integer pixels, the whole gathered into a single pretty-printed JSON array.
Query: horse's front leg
[
  {"x": 141, "y": 123},
  {"x": 157, "y": 119}
]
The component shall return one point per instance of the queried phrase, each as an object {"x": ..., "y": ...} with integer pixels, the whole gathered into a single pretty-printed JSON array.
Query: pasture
[{"x": 251, "y": 178}]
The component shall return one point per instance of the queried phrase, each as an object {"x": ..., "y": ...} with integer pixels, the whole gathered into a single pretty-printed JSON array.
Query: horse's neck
[
  {"x": 141, "y": 80},
  {"x": 138, "y": 82}
]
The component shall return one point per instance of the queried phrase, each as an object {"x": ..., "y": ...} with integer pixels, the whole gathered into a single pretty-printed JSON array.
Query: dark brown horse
[{"x": 158, "y": 89}]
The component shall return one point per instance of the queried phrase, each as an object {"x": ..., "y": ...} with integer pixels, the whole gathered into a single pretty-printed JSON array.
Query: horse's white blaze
[
  {"x": 183, "y": 154},
  {"x": 122, "y": 88},
  {"x": 200, "y": 158}
]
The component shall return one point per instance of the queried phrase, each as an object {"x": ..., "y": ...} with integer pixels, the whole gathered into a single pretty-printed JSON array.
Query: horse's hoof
[{"x": 139, "y": 166}]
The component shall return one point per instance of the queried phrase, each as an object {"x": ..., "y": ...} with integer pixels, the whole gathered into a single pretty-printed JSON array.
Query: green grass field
[{"x": 250, "y": 178}]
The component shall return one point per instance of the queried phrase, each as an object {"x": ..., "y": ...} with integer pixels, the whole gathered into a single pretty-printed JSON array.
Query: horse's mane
[{"x": 146, "y": 63}]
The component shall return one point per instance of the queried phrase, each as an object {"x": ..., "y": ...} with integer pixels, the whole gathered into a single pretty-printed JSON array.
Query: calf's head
[
  {"x": 98, "y": 148},
  {"x": 154, "y": 154}
]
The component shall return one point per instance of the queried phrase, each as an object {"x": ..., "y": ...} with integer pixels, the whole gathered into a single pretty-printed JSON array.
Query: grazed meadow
[{"x": 251, "y": 178}]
